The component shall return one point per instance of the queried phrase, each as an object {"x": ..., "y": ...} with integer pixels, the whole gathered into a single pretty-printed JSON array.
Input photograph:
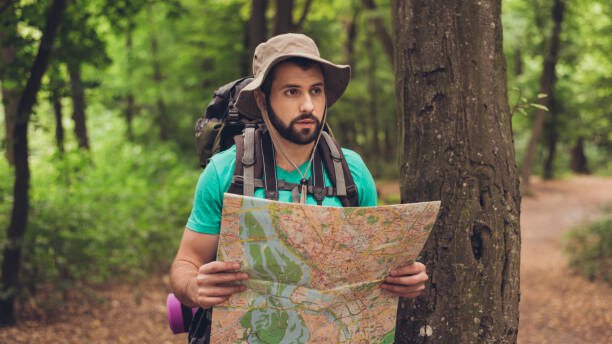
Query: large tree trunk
[
  {"x": 547, "y": 83},
  {"x": 456, "y": 141},
  {"x": 9, "y": 285},
  {"x": 578, "y": 163},
  {"x": 77, "y": 91},
  {"x": 10, "y": 92}
]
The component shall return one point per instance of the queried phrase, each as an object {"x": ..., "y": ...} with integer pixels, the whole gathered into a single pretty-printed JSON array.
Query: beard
[{"x": 291, "y": 133}]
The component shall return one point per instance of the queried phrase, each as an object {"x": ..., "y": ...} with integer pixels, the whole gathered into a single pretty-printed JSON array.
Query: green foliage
[
  {"x": 113, "y": 215},
  {"x": 583, "y": 91},
  {"x": 590, "y": 249}
]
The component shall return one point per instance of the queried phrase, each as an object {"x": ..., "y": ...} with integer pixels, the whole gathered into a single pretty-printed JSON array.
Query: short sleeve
[
  {"x": 205, "y": 215},
  {"x": 366, "y": 188}
]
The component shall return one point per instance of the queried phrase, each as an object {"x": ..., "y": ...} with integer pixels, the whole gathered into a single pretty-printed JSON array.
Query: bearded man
[{"x": 291, "y": 92}]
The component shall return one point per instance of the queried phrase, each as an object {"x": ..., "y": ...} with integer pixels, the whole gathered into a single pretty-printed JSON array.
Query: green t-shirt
[{"x": 216, "y": 178}]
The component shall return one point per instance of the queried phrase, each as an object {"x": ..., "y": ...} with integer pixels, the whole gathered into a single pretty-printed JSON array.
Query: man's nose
[{"x": 307, "y": 105}]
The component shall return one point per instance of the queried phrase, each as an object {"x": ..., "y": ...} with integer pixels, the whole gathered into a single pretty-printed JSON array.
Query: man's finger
[
  {"x": 402, "y": 290},
  {"x": 206, "y": 302},
  {"x": 408, "y": 279},
  {"x": 221, "y": 291},
  {"x": 411, "y": 269},
  {"x": 220, "y": 278},
  {"x": 217, "y": 266}
]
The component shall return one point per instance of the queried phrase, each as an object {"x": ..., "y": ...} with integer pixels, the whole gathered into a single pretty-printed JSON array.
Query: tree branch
[{"x": 298, "y": 25}]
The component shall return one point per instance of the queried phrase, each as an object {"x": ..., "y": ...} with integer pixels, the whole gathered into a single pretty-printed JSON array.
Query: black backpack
[{"x": 223, "y": 126}]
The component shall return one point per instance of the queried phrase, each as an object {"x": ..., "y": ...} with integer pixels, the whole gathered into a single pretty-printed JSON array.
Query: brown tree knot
[{"x": 480, "y": 235}]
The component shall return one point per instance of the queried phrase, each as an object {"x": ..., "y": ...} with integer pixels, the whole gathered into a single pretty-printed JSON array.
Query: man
[{"x": 291, "y": 90}]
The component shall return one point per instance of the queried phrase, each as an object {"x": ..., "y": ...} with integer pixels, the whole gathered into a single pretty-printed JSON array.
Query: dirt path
[{"x": 557, "y": 306}]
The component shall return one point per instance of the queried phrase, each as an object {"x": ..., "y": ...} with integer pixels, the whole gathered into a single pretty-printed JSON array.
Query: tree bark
[
  {"x": 56, "y": 85},
  {"x": 300, "y": 23},
  {"x": 381, "y": 31},
  {"x": 547, "y": 83},
  {"x": 257, "y": 24},
  {"x": 283, "y": 20},
  {"x": 9, "y": 285},
  {"x": 77, "y": 91},
  {"x": 10, "y": 92},
  {"x": 129, "y": 99},
  {"x": 456, "y": 146},
  {"x": 579, "y": 161},
  {"x": 551, "y": 136},
  {"x": 374, "y": 147},
  {"x": 351, "y": 37},
  {"x": 162, "y": 119}
]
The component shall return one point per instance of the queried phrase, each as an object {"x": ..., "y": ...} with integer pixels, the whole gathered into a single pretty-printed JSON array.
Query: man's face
[{"x": 297, "y": 102}]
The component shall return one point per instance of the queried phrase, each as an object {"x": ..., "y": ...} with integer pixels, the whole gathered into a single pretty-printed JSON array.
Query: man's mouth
[{"x": 305, "y": 121}]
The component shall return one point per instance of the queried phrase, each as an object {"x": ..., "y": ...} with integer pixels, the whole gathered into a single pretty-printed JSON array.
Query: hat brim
[{"x": 336, "y": 76}]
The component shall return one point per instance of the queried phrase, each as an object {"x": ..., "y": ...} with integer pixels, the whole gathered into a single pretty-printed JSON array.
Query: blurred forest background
[{"x": 111, "y": 144}]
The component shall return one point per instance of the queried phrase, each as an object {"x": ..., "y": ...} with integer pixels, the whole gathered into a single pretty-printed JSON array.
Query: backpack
[{"x": 222, "y": 126}]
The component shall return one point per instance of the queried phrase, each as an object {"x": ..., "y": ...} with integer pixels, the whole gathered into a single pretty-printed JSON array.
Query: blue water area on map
[{"x": 272, "y": 318}]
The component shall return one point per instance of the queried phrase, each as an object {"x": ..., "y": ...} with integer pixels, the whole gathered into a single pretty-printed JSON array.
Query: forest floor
[{"x": 557, "y": 305}]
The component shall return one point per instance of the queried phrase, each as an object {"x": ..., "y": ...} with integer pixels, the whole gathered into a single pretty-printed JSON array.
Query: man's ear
[{"x": 260, "y": 99}]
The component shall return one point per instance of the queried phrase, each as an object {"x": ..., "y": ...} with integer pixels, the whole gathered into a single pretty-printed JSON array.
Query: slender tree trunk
[
  {"x": 551, "y": 136},
  {"x": 255, "y": 33},
  {"x": 456, "y": 142},
  {"x": 10, "y": 92},
  {"x": 56, "y": 85},
  {"x": 390, "y": 142},
  {"x": 10, "y": 99},
  {"x": 59, "y": 127},
  {"x": 579, "y": 161},
  {"x": 129, "y": 99},
  {"x": 9, "y": 286},
  {"x": 77, "y": 91},
  {"x": 257, "y": 24},
  {"x": 518, "y": 62},
  {"x": 351, "y": 37},
  {"x": 381, "y": 31},
  {"x": 162, "y": 119},
  {"x": 283, "y": 20},
  {"x": 547, "y": 83},
  {"x": 374, "y": 148}
]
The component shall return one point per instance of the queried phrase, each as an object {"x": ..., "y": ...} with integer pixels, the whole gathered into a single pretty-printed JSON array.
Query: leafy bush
[
  {"x": 590, "y": 250},
  {"x": 113, "y": 214}
]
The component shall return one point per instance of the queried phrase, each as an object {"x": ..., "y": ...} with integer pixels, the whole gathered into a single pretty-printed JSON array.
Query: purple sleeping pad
[{"x": 176, "y": 311}]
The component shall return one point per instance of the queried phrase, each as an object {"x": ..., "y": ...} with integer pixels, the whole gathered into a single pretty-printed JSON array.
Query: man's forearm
[{"x": 183, "y": 281}]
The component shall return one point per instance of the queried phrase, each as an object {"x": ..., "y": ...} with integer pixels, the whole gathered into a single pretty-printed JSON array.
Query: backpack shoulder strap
[
  {"x": 248, "y": 165},
  {"x": 270, "y": 180},
  {"x": 339, "y": 173}
]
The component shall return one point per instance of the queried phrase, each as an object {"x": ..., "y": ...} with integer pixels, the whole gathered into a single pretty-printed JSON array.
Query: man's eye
[
  {"x": 292, "y": 92},
  {"x": 316, "y": 91}
]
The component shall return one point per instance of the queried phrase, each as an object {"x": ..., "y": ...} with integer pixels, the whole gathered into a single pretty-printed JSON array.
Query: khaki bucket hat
[{"x": 282, "y": 47}]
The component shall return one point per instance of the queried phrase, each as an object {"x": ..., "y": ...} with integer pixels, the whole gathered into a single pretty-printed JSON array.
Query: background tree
[
  {"x": 19, "y": 219},
  {"x": 547, "y": 84},
  {"x": 457, "y": 146}
]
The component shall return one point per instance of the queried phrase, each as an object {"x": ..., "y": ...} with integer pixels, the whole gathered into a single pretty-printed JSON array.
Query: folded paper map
[{"x": 314, "y": 271}]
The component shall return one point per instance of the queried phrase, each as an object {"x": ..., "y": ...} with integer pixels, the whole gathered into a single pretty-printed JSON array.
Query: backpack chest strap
[{"x": 327, "y": 191}]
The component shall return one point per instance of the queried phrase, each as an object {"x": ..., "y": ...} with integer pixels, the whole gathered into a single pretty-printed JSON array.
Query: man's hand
[
  {"x": 217, "y": 281},
  {"x": 406, "y": 281}
]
